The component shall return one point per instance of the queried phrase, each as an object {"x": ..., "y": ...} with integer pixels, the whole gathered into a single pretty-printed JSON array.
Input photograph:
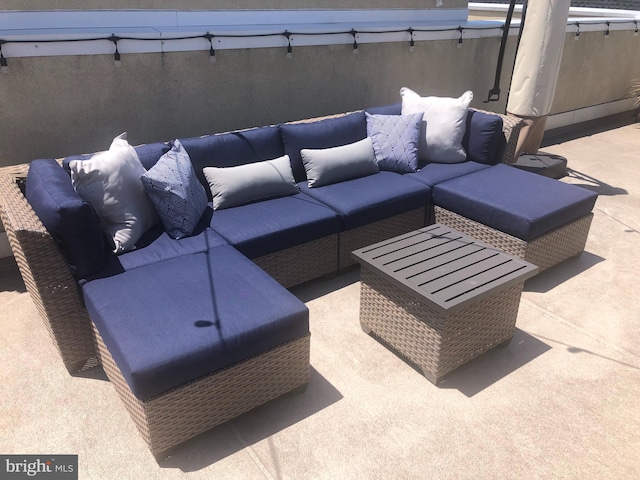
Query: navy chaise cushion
[
  {"x": 326, "y": 133},
  {"x": 268, "y": 226},
  {"x": 174, "y": 321},
  {"x": 232, "y": 149},
  {"x": 368, "y": 199},
  {"x": 71, "y": 221},
  {"x": 519, "y": 203}
]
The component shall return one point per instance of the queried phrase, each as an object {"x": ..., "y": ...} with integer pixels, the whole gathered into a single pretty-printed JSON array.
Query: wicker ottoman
[{"x": 438, "y": 297}]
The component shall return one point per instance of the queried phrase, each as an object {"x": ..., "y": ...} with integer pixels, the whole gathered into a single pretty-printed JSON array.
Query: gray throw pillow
[
  {"x": 176, "y": 192},
  {"x": 337, "y": 164},
  {"x": 395, "y": 141},
  {"x": 443, "y": 123},
  {"x": 110, "y": 182},
  {"x": 233, "y": 186}
]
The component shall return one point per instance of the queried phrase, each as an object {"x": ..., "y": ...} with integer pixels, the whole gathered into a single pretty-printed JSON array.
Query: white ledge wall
[{"x": 317, "y": 26}]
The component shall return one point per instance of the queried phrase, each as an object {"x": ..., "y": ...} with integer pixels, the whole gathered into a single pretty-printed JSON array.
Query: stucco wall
[
  {"x": 596, "y": 70},
  {"x": 223, "y": 4},
  {"x": 56, "y": 106}
]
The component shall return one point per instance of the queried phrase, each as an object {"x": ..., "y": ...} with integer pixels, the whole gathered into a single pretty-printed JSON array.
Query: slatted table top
[{"x": 444, "y": 268}]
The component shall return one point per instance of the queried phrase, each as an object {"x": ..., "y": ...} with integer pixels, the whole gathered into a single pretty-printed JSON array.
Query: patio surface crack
[
  {"x": 581, "y": 330},
  {"x": 250, "y": 452}
]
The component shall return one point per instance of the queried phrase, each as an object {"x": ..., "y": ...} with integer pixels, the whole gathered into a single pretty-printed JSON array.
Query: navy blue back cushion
[
  {"x": 71, "y": 222},
  {"x": 327, "y": 133},
  {"x": 232, "y": 149},
  {"x": 483, "y": 137},
  {"x": 395, "y": 109},
  {"x": 149, "y": 154}
]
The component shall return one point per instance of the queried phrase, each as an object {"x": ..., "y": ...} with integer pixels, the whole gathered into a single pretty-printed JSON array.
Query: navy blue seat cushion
[
  {"x": 327, "y": 133},
  {"x": 368, "y": 199},
  {"x": 395, "y": 109},
  {"x": 519, "y": 203},
  {"x": 434, "y": 173},
  {"x": 232, "y": 149},
  {"x": 71, "y": 221},
  {"x": 268, "y": 226},
  {"x": 174, "y": 321},
  {"x": 483, "y": 137},
  {"x": 156, "y": 246},
  {"x": 149, "y": 154}
]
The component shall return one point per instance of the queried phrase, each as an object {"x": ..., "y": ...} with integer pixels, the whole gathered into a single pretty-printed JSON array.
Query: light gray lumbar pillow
[
  {"x": 332, "y": 165},
  {"x": 110, "y": 181},
  {"x": 233, "y": 186},
  {"x": 443, "y": 122}
]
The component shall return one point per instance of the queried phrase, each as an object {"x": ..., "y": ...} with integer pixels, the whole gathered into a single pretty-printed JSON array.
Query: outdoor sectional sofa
[{"x": 195, "y": 331}]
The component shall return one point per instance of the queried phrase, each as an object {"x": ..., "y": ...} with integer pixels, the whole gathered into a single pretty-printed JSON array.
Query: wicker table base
[
  {"x": 433, "y": 342},
  {"x": 439, "y": 298}
]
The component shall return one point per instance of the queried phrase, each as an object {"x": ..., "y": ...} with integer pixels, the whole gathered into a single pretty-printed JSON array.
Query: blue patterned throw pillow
[
  {"x": 395, "y": 141},
  {"x": 176, "y": 192}
]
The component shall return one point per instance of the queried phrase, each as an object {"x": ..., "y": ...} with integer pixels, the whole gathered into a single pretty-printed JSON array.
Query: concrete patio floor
[{"x": 561, "y": 401}]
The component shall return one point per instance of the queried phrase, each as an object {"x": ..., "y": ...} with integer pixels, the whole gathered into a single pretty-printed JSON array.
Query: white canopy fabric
[{"x": 538, "y": 61}]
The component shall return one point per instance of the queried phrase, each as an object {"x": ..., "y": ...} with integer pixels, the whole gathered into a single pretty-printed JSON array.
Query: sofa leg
[{"x": 365, "y": 328}]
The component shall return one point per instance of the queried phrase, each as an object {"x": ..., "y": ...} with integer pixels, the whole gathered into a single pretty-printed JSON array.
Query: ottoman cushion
[
  {"x": 174, "y": 321},
  {"x": 368, "y": 199},
  {"x": 515, "y": 202}
]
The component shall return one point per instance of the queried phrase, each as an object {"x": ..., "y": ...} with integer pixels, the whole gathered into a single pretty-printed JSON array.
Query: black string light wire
[{"x": 287, "y": 34}]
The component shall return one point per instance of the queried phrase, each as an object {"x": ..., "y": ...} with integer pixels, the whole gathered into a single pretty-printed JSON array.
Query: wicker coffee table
[{"x": 438, "y": 297}]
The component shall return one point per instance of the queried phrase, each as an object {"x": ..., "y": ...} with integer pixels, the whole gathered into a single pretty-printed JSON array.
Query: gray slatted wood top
[{"x": 446, "y": 269}]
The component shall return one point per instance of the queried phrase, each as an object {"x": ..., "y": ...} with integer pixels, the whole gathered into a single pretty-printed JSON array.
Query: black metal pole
[{"x": 494, "y": 93}]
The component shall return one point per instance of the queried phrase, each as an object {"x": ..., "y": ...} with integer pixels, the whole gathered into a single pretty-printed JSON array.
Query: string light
[
  {"x": 636, "y": 30},
  {"x": 287, "y": 34},
  {"x": 355, "y": 42},
  {"x": 460, "y": 39},
  {"x": 4, "y": 66},
  {"x": 606, "y": 34},
  {"x": 212, "y": 52},
  {"x": 412, "y": 43},
  {"x": 116, "y": 54},
  {"x": 577, "y": 37}
]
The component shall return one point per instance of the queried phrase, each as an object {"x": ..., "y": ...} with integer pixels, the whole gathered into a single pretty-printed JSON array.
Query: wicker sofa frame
[{"x": 171, "y": 418}]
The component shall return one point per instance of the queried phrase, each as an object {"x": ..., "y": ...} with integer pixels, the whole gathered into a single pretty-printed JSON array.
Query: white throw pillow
[
  {"x": 443, "y": 125},
  {"x": 110, "y": 181}
]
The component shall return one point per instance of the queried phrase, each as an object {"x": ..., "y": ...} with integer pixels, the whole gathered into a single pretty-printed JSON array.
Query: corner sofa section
[{"x": 206, "y": 320}]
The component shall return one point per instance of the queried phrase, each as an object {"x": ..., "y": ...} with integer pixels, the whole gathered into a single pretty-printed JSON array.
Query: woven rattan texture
[
  {"x": 302, "y": 263},
  {"x": 46, "y": 274},
  {"x": 435, "y": 343},
  {"x": 377, "y": 232},
  {"x": 184, "y": 412},
  {"x": 545, "y": 251}
]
